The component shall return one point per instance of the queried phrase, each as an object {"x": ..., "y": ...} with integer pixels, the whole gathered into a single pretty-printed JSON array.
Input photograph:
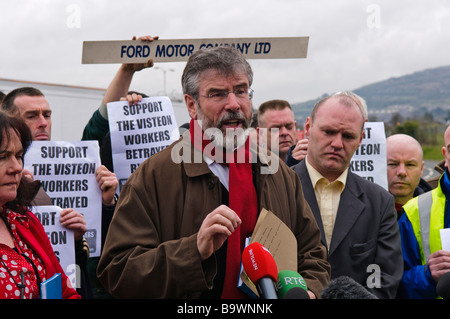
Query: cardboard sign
[
  {"x": 369, "y": 160},
  {"x": 133, "y": 51},
  {"x": 67, "y": 174},
  {"x": 139, "y": 131}
]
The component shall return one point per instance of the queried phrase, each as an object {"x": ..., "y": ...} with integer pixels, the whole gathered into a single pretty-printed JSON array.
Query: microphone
[
  {"x": 296, "y": 293},
  {"x": 291, "y": 285},
  {"x": 345, "y": 287},
  {"x": 261, "y": 269},
  {"x": 443, "y": 286}
]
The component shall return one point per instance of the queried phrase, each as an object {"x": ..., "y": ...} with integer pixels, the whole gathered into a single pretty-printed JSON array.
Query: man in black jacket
[{"x": 356, "y": 217}]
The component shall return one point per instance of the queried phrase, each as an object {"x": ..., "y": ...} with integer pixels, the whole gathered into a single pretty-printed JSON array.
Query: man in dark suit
[{"x": 357, "y": 218}]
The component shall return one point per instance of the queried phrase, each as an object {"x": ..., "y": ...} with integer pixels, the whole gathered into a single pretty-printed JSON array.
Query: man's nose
[{"x": 232, "y": 102}]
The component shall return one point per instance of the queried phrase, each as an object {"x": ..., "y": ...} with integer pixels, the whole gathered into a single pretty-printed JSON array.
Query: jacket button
[{"x": 210, "y": 184}]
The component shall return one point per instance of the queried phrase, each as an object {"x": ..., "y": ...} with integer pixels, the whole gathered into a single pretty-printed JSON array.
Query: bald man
[
  {"x": 404, "y": 168},
  {"x": 425, "y": 260}
]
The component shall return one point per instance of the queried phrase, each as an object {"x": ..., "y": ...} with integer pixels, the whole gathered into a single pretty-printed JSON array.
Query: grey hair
[{"x": 225, "y": 60}]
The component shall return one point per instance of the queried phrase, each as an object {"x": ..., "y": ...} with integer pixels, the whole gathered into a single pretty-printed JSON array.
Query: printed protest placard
[
  {"x": 139, "y": 131},
  {"x": 369, "y": 160},
  {"x": 67, "y": 174},
  {"x": 180, "y": 49},
  {"x": 62, "y": 239}
]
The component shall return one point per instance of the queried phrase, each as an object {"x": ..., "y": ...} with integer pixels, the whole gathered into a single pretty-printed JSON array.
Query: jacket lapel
[
  {"x": 350, "y": 207},
  {"x": 310, "y": 197}
]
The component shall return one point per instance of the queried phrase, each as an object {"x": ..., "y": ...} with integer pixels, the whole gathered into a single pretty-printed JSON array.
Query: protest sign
[
  {"x": 62, "y": 239},
  {"x": 139, "y": 131},
  {"x": 369, "y": 160},
  {"x": 67, "y": 174},
  {"x": 132, "y": 51}
]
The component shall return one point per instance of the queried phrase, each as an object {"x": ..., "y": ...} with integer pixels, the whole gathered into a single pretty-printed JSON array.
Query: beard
[{"x": 227, "y": 139}]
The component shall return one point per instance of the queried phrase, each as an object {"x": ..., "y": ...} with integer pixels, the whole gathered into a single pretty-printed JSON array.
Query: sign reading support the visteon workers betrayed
[
  {"x": 369, "y": 160},
  {"x": 67, "y": 174},
  {"x": 139, "y": 131}
]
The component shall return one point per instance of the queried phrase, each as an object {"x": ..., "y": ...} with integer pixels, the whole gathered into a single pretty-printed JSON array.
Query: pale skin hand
[
  {"x": 132, "y": 99},
  {"x": 74, "y": 221},
  {"x": 122, "y": 80},
  {"x": 108, "y": 183},
  {"x": 27, "y": 174},
  {"x": 215, "y": 229},
  {"x": 300, "y": 150},
  {"x": 439, "y": 264},
  {"x": 311, "y": 295},
  {"x": 135, "y": 67}
]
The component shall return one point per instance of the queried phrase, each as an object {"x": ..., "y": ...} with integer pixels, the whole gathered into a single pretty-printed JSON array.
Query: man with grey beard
[{"x": 183, "y": 216}]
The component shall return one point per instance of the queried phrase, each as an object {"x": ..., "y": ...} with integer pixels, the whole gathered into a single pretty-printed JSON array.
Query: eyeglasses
[{"x": 222, "y": 95}]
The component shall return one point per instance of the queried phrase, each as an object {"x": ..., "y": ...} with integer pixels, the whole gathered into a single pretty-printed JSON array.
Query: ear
[
  {"x": 362, "y": 137},
  {"x": 421, "y": 168},
  {"x": 444, "y": 153},
  {"x": 307, "y": 126},
  {"x": 191, "y": 106}
]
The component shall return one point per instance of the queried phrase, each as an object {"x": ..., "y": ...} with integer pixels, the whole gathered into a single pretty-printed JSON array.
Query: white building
[{"x": 73, "y": 106}]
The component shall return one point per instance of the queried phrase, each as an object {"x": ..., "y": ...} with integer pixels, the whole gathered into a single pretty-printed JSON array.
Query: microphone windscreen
[
  {"x": 288, "y": 279},
  {"x": 345, "y": 287},
  {"x": 258, "y": 263},
  {"x": 296, "y": 293},
  {"x": 443, "y": 286}
]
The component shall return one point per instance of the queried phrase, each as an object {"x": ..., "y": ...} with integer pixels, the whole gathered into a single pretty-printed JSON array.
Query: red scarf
[{"x": 242, "y": 199}]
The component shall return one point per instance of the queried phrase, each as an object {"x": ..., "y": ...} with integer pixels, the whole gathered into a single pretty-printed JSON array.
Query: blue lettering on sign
[
  {"x": 135, "y": 51},
  {"x": 176, "y": 50},
  {"x": 242, "y": 47},
  {"x": 262, "y": 47}
]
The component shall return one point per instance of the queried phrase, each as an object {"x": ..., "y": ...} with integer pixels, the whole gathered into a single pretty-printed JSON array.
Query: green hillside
[{"x": 412, "y": 95}]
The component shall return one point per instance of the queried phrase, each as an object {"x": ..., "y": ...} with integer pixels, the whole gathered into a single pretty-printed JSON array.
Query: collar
[
  {"x": 14, "y": 217},
  {"x": 445, "y": 185},
  {"x": 316, "y": 177}
]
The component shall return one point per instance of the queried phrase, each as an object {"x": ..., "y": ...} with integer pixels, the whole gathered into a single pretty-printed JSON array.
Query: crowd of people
[{"x": 179, "y": 226}]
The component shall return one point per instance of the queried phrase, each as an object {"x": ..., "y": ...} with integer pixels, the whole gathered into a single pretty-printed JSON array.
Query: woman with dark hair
[{"x": 26, "y": 255}]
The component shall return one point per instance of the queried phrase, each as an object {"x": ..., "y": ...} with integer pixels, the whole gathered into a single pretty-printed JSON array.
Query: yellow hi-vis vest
[{"x": 426, "y": 214}]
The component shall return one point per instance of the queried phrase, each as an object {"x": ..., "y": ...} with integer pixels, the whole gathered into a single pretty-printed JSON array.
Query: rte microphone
[
  {"x": 291, "y": 285},
  {"x": 261, "y": 269},
  {"x": 443, "y": 286}
]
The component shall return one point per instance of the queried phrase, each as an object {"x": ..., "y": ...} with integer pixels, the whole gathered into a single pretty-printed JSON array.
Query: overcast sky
[{"x": 352, "y": 42}]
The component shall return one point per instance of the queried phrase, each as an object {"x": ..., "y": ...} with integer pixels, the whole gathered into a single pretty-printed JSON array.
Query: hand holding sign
[
  {"x": 74, "y": 221},
  {"x": 136, "y": 67},
  {"x": 108, "y": 184},
  {"x": 132, "y": 98}
]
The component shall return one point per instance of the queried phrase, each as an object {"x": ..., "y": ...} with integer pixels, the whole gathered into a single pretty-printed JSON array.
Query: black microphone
[
  {"x": 345, "y": 287},
  {"x": 261, "y": 269},
  {"x": 443, "y": 286},
  {"x": 296, "y": 293}
]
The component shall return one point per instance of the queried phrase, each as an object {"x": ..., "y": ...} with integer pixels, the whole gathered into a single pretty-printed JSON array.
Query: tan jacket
[{"x": 151, "y": 246}]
